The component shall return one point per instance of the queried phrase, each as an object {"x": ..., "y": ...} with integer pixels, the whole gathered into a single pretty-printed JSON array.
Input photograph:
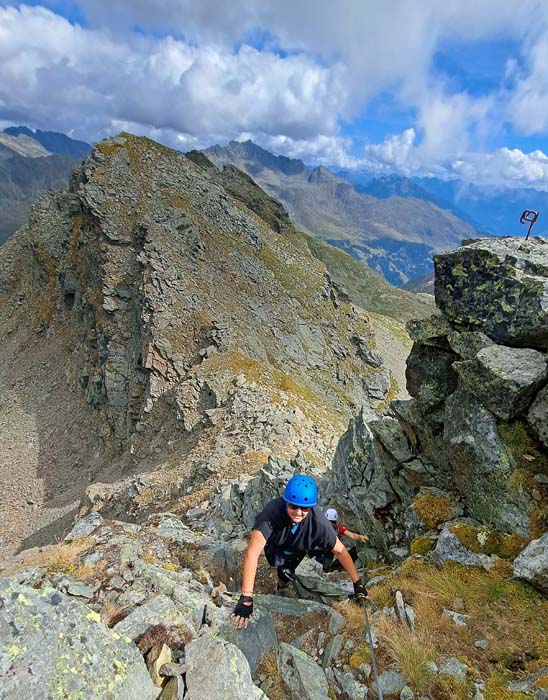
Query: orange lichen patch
[{"x": 432, "y": 510}]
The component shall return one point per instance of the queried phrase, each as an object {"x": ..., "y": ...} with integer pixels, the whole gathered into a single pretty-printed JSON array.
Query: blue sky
[{"x": 454, "y": 89}]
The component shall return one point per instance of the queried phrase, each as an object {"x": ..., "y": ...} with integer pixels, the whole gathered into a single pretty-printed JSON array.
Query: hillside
[
  {"x": 396, "y": 236},
  {"x": 493, "y": 210},
  {"x": 32, "y": 162},
  {"x": 175, "y": 320}
]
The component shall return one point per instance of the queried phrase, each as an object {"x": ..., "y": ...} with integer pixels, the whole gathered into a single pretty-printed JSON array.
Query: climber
[
  {"x": 288, "y": 528},
  {"x": 326, "y": 558}
]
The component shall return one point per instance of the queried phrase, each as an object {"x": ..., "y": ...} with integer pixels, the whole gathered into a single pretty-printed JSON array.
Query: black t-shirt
[{"x": 314, "y": 533}]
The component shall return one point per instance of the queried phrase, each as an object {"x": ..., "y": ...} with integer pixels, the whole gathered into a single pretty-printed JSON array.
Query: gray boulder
[
  {"x": 481, "y": 465},
  {"x": 256, "y": 641},
  {"x": 160, "y": 609},
  {"x": 391, "y": 683},
  {"x": 53, "y": 646},
  {"x": 350, "y": 688},
  {"x": 84, "y": 527},
  {"x": 430, "y": 375},
  {"x": 498, "y": 286},
  {"x": 218, "y": 669},
  {"x": 467, "y": 344},
  {"x": 532, "y": 563},
  {"x": 450, "y": 548},
  {"x": 301, "y": 675},
  {"x": 538, "y": 415},
  {"x": 504, "y": 379},
  {"x": 453, "y": 667}
]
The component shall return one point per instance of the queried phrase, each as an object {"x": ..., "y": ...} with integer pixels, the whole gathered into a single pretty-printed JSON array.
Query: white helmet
[{"x": 332, "y": 515}]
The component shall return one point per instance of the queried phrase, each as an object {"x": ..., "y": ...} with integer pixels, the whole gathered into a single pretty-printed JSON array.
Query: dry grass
[
  {"x": 65, "y": 558},
  {"x": 409, "y": 652},
  {"x": 269, "y": 668},
  {"x": 510, "y": 615}
]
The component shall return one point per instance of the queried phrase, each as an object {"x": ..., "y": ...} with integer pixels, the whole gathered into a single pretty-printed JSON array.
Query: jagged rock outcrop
[
  {"x": 498, "y": 286},
  {"x": 475, "y": 426}
]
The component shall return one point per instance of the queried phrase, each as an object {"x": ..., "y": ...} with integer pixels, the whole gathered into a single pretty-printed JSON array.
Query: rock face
[
  {"x": 476, "y": 425},
  {"x": 498, "y": 286},
  {"x": 53, "y": 644}
]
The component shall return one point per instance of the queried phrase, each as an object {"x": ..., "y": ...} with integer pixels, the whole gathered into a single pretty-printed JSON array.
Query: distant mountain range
[
  {"x": 52, "y": 141},
  {"x": 394, "y": 234},
  {"x": 495, "y": 211},
  {"x": 30, "y": 163}
]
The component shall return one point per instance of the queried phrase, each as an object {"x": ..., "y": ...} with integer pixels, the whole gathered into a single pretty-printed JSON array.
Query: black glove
[
  {"x": 360, "y": 591},
  {"x": 244, "y": 607}
]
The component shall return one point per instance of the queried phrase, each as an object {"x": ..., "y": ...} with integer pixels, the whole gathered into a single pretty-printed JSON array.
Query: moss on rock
[
  {"x": 422, "y": 545},
  {"x": 432, "y": 510},
  {"x": 483, "y": 540}
]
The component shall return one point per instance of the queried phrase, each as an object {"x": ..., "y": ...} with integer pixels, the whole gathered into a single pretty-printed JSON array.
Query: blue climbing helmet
[{"x": 301, "y": 490}]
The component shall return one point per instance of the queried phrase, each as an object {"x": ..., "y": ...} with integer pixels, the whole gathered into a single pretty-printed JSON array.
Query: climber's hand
[{"x": 242, "y": 612}]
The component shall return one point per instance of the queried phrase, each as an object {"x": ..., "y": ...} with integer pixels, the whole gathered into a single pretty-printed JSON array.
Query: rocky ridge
[
  {"x": 475, "y": 426},
  {"x": 193, "y": 324}
]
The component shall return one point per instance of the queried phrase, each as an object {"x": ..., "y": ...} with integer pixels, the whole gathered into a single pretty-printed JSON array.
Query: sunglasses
[{"x": 304, "y": 509}]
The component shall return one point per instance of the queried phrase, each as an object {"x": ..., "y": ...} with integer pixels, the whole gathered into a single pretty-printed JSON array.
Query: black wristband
[{"x": 246, "y": 599}]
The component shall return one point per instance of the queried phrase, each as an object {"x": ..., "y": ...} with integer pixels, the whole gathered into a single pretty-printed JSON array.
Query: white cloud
[
  {"x": 62, "y": 74},
  {"x": 190, "y": 79},
  {"x": 528, "y": 104},
  {"x": 502, "y": 168}
]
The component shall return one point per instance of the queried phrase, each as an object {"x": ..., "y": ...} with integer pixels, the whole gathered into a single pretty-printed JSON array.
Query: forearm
[
  {"x": 254, "y": 548},
  {"x": 249, "y": 572},
  {"x": 347, "y": 564}
]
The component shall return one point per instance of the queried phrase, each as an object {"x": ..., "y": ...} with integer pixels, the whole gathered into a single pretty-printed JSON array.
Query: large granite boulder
[
  {"x": 504, "y": 379},
  {"x": 498, "y": 286},
  {"x": 256, "y": 641},
  {"x": 360, "y": 483},
  {"x": 430, "y": 376},
  {"x": 532, "y": 563},
  {"x": 218, "y": 669},
  {"x": 52, "y": 646}
]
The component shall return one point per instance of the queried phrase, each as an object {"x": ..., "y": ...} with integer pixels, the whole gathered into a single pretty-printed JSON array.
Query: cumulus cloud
[
  {"x": 503, "y": 167},
  {"x": 65, "y": 75}
]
